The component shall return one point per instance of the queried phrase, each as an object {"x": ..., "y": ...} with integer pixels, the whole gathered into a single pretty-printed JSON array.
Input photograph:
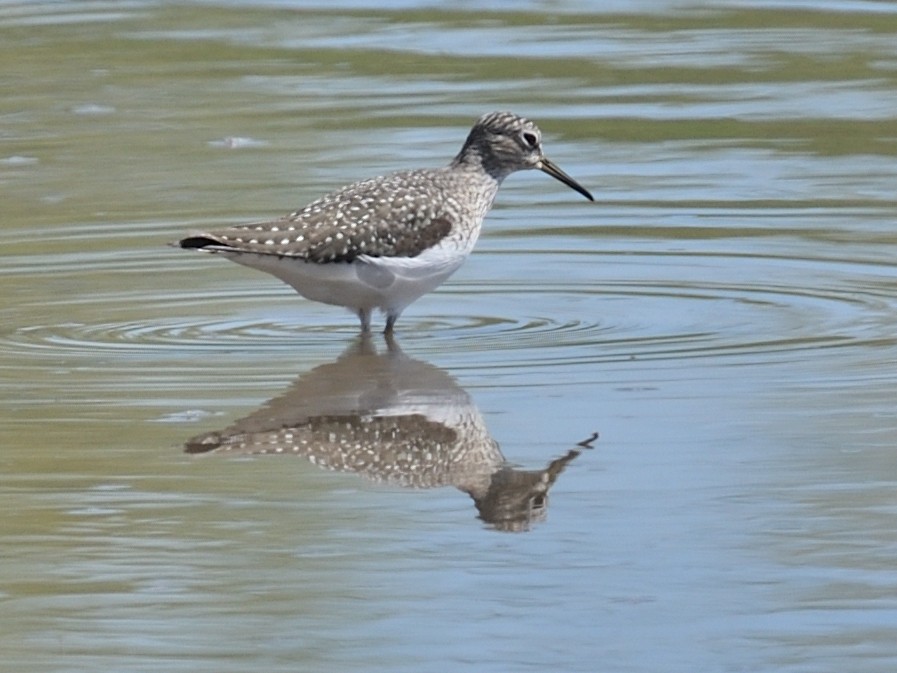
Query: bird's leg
[
  {"x": 390, "y": 323},
  {"x": 364, "y": 315},
  {"x": 392, "y": 346}
]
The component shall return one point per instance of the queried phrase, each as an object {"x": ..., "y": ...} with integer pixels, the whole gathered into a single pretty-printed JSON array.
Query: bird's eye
[{"x": 531, "y": 139}]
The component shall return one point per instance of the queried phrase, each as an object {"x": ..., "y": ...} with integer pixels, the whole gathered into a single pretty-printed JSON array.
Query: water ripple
[
  {"x": 508, "y": 325},
  {"x": 594, "y": 297}
]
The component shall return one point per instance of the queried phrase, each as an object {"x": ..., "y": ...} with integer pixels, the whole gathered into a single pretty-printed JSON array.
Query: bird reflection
[{"x": 393, "y": 419}]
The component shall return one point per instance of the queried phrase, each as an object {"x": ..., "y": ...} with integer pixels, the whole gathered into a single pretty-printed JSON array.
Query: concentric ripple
[
  {"x": 517, "y": 324},
  {"x": 511, "y": 307}
]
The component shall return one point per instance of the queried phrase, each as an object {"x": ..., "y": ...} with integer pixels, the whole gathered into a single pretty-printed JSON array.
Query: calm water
[{"x": 724, "y": 317}]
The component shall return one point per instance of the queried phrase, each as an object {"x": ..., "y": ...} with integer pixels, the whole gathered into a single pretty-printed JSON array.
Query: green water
[{"x": 724, "y": 317}]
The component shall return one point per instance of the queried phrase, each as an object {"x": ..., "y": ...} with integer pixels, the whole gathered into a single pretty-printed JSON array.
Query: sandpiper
[{"x": 382, "y": 243}]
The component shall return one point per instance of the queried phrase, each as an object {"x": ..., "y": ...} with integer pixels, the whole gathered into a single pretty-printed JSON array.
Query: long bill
[{"x": 552, "y": 169}]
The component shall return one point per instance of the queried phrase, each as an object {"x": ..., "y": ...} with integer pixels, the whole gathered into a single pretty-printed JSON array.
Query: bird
[
  {"x": 393, "y": 419},
  {"x": 384, "y": 242}
]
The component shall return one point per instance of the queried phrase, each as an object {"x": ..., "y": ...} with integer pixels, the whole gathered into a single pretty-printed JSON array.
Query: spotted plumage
[
  {"x": 392, "y": 419},
  {"x": 384, "y": 242}
]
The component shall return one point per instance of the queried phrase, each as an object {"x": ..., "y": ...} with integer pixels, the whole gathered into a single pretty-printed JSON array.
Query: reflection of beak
[{"x": 552, "y": 169}]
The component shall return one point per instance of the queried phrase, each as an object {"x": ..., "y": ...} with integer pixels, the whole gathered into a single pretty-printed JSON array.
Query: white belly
[{"x": 386, "y": 283}]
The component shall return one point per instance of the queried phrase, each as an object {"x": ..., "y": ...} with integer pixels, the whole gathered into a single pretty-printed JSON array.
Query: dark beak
[{"x": 548, "y": 167}]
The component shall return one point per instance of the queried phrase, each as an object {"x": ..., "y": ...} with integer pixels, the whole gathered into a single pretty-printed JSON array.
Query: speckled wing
[
  {"x": 410, "y": 450},
  {"x": 398, "y": 215}
]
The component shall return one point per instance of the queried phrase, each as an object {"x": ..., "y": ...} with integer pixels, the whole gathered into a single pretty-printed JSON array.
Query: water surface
[{"x": 723, "y": 317}]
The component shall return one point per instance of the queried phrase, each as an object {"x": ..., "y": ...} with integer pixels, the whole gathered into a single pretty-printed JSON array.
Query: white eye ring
[{"x": 530, "y": 139}]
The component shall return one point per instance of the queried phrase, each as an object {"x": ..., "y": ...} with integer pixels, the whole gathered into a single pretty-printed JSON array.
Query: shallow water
[{"x": 724, "y": 317}]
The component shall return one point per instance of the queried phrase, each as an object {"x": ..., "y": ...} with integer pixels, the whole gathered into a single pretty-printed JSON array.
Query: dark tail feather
[{"x": 198, "y": 242}]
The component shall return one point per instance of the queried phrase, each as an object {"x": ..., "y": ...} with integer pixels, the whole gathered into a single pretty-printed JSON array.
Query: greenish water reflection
[{"x": 725, "y": 317}]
